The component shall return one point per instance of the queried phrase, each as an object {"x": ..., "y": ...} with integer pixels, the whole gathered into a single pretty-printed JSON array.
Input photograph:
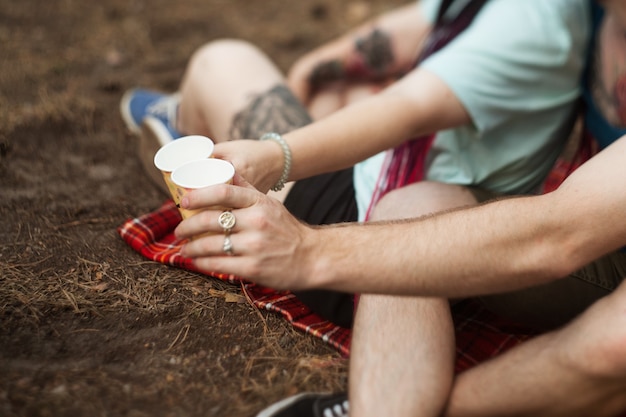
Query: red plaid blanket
[{"x": 480, "y": 334}]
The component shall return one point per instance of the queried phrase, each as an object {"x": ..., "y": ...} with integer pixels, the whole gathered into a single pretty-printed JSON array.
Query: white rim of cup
[
  {"x": 183, "y": 150},
  {"x": 194, "y": 177}
]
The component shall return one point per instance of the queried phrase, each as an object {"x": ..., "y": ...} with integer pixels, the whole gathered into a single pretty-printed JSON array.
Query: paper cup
[
  {"x": 179, "y": 152},
  {"x": 199, "y": 174}
]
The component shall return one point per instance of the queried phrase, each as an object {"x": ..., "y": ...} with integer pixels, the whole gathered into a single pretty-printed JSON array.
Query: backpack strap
[{"x": 445, "y": 30}]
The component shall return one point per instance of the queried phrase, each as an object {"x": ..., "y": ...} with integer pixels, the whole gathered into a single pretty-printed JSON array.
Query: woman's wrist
[{"x": 286, "y": 152}]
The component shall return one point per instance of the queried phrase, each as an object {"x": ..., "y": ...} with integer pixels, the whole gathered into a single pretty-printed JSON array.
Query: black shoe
[{"x": 309, "y": 405}]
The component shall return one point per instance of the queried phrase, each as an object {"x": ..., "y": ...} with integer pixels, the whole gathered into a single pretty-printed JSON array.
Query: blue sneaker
[{"x": 136, "y": 104}]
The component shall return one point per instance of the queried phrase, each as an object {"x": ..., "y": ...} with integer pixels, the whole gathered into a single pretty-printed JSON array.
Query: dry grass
[{"x": 87, "y": 326}]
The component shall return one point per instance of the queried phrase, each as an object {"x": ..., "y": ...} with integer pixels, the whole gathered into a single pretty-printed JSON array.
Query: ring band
[
  {"x": 228, "y": 246},
  {"x": 227, "y": 220}
]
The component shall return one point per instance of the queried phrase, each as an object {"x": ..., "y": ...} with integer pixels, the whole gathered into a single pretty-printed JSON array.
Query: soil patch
[{"x": 87, "y": 326}]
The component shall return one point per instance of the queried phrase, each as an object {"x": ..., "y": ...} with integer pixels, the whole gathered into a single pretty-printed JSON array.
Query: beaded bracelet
[{"x": 286, "y": 153}]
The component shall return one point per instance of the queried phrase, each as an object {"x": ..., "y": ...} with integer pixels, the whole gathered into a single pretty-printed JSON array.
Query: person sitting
[
  {"x": 560, "y": 255},
  {"x": 485, "y": 111}
]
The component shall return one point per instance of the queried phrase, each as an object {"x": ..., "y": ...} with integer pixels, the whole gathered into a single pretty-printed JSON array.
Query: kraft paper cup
[
  {"x": 199, "y": 174},
  {"x": 179, "y": 152}
]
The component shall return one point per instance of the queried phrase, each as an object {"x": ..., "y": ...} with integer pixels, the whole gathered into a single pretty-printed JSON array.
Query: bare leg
[
  {"x": 231, "y": 90},
  {"x": 577, "y": 371},
  {"x": 230, "y": 82},
  {"x": 402, "y": 355}
]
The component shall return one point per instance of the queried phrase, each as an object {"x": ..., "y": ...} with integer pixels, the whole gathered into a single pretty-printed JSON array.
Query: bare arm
[
  {"x": 383, "y": 47},
  {"x": 498, "y": 246},
  {"x": 416, "y": 104},
  {"x": 419, "y": 103}
]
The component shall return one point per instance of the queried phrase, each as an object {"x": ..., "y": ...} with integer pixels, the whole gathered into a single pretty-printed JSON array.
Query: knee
[
  {"x": 390, "y": 206},
  {"x": 223, "y": 53},
  {"x": 602, "y": 350},
  {"x": 420, "y": 199},
  {"x": 615, "y": 326}
]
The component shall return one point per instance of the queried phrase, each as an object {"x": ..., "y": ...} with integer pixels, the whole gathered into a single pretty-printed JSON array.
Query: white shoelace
[
  {"x": 338, "y": 410},
  {"x": 166, "y": 107}
]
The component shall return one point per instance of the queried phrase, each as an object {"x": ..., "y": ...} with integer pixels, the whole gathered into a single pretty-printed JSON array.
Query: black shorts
[{"x": 326, "y": 199}]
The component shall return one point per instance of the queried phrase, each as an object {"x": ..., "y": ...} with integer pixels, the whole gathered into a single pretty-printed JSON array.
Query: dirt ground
[{"x": 87, "y": 326}]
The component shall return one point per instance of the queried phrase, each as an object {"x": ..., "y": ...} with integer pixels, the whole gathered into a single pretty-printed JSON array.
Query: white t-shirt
[{"x": 517, "y": 70}]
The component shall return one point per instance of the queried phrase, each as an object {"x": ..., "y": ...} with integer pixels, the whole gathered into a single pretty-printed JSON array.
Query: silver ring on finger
[{"x": 227, "y": 247}]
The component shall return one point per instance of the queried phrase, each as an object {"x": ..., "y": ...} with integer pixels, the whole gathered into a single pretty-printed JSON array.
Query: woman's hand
[
  {"x": 259, "y": 162},
  {"x": 269, "y": 245},
  {"x": 321, "y": 68},
  {"x": 298, "y": 78}
]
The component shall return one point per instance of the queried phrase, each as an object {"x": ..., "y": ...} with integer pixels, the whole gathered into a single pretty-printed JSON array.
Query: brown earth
[{"x": 87, "y": 326}]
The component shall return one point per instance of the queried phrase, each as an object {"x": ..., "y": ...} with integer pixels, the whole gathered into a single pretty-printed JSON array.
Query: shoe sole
[
  {"x": 125, "y": 112},
  {"x": 150, "y": 141}
]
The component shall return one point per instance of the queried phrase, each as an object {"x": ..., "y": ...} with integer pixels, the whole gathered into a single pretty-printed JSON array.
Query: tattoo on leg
[{"x": 276, "y": 110}]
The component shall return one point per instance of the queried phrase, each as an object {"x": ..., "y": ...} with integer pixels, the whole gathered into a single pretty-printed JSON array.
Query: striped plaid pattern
[
  {"x": 152, "y": 235},
  {"x": 480, "y": 335}
]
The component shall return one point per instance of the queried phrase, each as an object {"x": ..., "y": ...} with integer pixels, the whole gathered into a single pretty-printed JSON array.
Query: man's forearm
[
  {"x": 498, "y": 246},
  {"x": 495, "y": 247}
]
